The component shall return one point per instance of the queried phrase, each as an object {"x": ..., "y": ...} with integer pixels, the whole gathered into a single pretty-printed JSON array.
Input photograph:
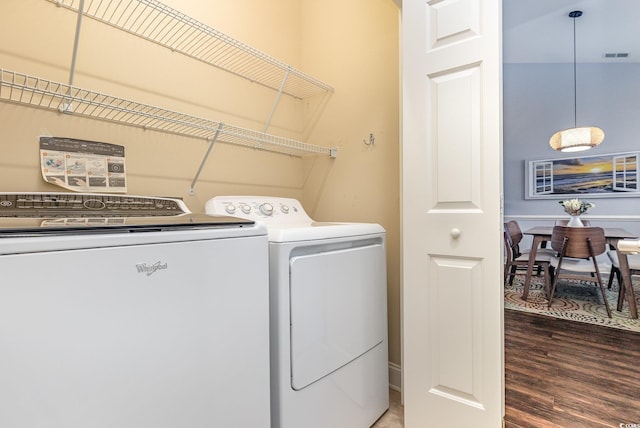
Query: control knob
[
  {"x": 245, "y": 208},
  {"x": 266, "y": 209},
  {"x": 230, "y": 208},
  {"x": 285, "y": 209}
]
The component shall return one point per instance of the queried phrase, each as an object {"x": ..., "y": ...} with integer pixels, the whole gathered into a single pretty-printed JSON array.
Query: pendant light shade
[{"x": 576, "y": 139}]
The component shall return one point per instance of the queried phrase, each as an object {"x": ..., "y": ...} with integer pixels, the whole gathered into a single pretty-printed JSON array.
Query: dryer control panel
[{"x": 268, "y": 209}]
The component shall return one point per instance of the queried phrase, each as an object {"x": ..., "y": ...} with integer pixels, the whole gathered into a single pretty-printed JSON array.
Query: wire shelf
[
  {"x": 158, "y": 23},
  {"x": 37, "y": 92}
]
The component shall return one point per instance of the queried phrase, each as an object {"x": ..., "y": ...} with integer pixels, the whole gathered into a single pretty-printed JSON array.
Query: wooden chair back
[
  {"x": 578, "y": 242},
  {"x": 514, "y": 236},
  {"x": 508, "y": 245}
]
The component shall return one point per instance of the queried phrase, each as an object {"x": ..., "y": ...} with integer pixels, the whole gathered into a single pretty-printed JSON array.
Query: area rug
[{"x": 574, "y": 300}]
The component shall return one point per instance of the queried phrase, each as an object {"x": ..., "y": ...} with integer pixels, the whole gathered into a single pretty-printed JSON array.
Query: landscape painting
[{"x": 596, "y": 176}]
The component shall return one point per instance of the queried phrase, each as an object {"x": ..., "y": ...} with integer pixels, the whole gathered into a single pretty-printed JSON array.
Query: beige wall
[{"x": 351, "y": 45}]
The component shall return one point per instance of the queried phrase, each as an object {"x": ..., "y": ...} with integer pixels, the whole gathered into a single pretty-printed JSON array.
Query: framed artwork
[{"x": 611, "y": 175}]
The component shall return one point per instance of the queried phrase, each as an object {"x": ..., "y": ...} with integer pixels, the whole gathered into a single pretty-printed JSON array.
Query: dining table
[{"x": 542, "y": 234}]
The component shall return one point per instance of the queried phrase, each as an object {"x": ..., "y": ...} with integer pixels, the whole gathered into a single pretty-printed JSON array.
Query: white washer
[
  {"x": 329, "y": 361},
  {"x": 131, "y": 312}
]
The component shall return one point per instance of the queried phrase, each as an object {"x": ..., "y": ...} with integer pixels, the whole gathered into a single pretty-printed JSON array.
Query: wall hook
[{"x": 372, "y": 139}]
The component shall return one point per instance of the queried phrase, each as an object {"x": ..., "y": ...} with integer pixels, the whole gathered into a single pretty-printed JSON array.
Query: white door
[{"x": 452, "y": 220}]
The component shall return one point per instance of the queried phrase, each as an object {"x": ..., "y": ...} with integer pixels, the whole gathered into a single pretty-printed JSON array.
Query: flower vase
[{"x": 575, "y": 221}]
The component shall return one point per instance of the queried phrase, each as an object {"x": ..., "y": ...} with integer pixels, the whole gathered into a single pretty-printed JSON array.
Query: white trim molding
[
  {"x": 395, "y": 376},
  {"x": 603, "y": 218}
]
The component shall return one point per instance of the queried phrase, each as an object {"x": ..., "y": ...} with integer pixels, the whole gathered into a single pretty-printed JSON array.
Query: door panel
[
  {"x": 456, "y": 356},
  {"x": 456, "y": 99}
]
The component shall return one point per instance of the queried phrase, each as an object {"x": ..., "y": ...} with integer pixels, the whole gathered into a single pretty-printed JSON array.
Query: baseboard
[{"x": 395, "y": 377}]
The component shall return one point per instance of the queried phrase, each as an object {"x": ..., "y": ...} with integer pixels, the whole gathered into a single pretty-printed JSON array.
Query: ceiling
[{"x": 539, "y": 31}]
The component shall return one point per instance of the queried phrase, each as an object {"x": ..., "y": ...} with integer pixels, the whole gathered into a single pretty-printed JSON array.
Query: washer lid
[
  {"x": 88, "y": 225},
  {"x": 40, "y": 213}
]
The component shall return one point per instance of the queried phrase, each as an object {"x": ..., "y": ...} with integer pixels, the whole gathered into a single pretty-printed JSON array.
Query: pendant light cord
[
  {"x": 575, "y": 14},
  {"x": 575, "y": 85},
  {"x": 576, "y": 139}
]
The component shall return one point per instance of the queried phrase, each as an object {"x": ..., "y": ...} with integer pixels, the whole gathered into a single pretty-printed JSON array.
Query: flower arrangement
[{"x": 576, "y": 206}]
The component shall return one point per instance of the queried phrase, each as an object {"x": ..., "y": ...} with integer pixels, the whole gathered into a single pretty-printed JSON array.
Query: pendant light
[{"x": 576, "y": 139}]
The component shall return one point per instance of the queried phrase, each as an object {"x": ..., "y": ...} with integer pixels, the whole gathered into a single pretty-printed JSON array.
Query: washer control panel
[
  {"x": 269, "y": 209},
  {"x": 37, "y": 204}
]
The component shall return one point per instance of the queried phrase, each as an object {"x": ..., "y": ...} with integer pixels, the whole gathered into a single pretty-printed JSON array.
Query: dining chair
[
  {"x": 577, "y": 249},
  {"x": 565, "y": 222},
  {"x": 634, "y": 269},
  {"x": 518, "y": 259}
]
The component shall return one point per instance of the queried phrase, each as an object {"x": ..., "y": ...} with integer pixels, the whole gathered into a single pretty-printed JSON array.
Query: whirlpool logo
[{"x": 150, "y": 269}]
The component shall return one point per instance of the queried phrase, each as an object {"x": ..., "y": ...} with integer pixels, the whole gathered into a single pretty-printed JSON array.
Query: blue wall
[{"x": 538, "y": 101}]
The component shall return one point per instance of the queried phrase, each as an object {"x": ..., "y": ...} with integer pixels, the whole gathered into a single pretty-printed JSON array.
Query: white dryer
[{"x": 328, "y": 321}]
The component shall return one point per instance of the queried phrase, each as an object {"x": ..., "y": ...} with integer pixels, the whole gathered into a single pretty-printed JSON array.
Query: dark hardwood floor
[{"x": 561, "y": 373}]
